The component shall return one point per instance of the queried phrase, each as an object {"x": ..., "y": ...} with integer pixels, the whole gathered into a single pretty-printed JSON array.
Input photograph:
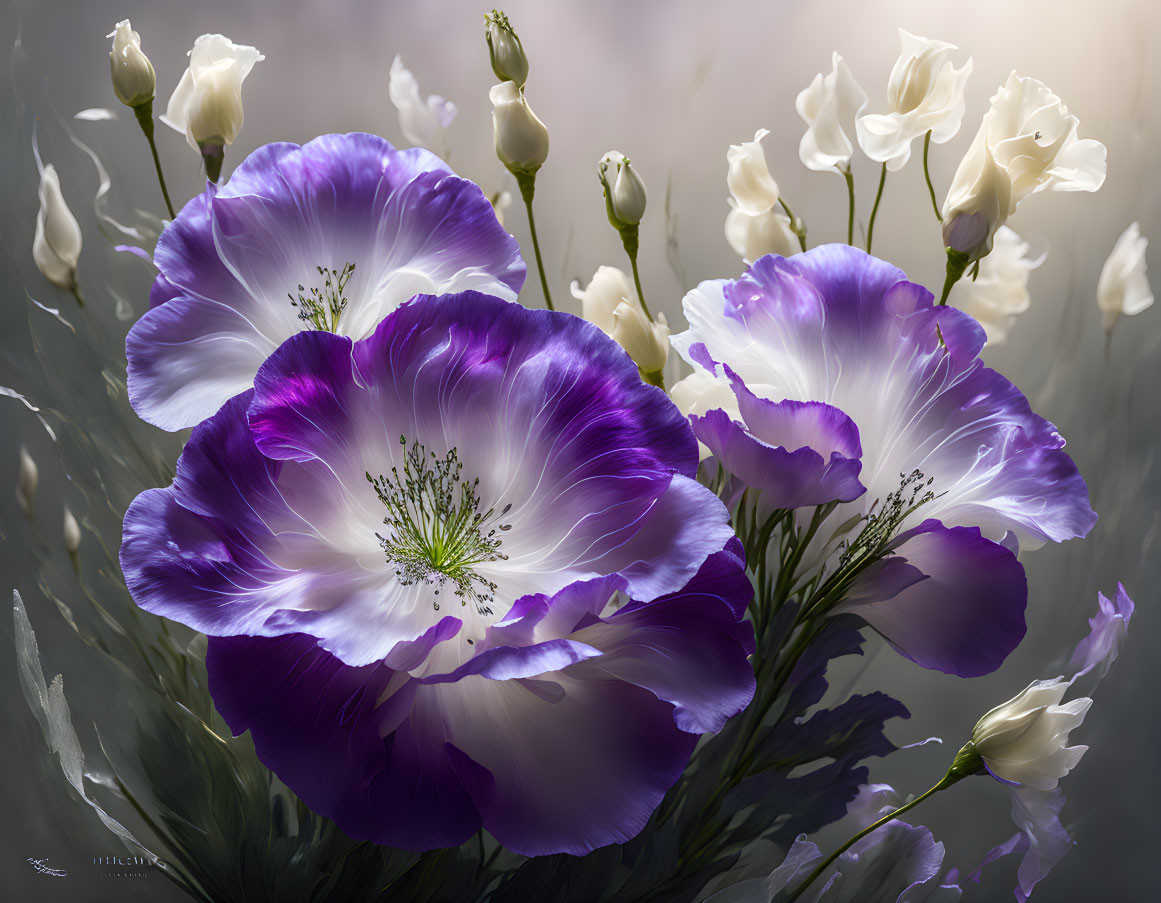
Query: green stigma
[
  {"x": 438, "y": 535},
  {"x": 322, "y": 307}
]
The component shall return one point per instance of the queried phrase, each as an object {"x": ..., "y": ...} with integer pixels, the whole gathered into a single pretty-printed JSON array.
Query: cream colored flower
[
  {"x": 1000, "y": 292},
  {"x": 521, "y": 138},
  {"x": 1023, "y": 740},
  {"x": 1027, "y": 143},
  {"x": 601, "y": 297},
  {"x": 134, "y": 80},
  {"x": 423, "y": 122},
  {"x": 748, "y": 177},
  {"x": 56, "y": 245},
  {"x": 753, "y": 236},
  {"x": 700, "y": 392},
  {"x": 828, "y": 106},
  {"x": 624, "y": 192},
  {"x": 646, "y": 343},
  {"x": 924, "y": 94},
  {"x": 207, "y": 103},
  {"x": 1123, "y": 287}
]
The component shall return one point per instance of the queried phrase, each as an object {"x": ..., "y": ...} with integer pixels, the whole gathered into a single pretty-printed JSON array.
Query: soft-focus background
[{"x": 671, "y": 84}]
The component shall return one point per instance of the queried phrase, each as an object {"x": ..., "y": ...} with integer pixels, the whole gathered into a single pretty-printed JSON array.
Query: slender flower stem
[
  {"x": 637, "y": 285},
  {"x": 850, "y": 178},
  {"x": 875, "y": 208},
  {"x": 527, "y": 183},
  {"x": 144, "y": 114},
  {"x": 967, "y": 762},
  {"x": 75, "y": 288},
  {"x": 796, "y": 225},
  {"x": 927, "y": 176},
  {"x": 957, "y": 262}
]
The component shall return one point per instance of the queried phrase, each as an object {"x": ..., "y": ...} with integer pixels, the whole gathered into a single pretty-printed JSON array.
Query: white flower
[
  {"x": 1123, "y": 287},
  {"x": 521, "y": 138},
  {"x": 1023, "y": 740},
  {"x": 1000, "y": 292},
  {"x": 72, "y": 532},
  {"x": 700, "y": 392},
  {"x": 626, "y": 195},
  {"x": 134, "y": 81},
  {"x": 827, "y": 106},
  {"x": 56, "y": 246},
  {"x": 207, "y": 103},
  {"x": 507, "y": 53},
  {"x": 1027, "y": 143},
  {"x": 600, "y": 298},
  {"x": 28, "y": 478},
  {"x": 748, "y": 177},
  {"x": 755, "y": 235},
  {"x": 924, "y": 93},
  {"x": 423, "y": 123},
  {"x": 646, "y": 343}
]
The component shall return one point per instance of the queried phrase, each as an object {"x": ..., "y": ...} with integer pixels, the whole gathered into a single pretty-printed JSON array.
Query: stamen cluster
[{"x": 323, "y": 307}]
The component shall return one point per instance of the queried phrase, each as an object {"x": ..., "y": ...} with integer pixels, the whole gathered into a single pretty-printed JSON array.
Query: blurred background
[{"x": 671, "y": 84}]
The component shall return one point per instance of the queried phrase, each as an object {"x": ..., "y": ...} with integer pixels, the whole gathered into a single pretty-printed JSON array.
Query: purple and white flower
[
  {"x": 456, "y": 574},
  {"x": 332, "y": 235},
  {"x": 956, "y": 466}
]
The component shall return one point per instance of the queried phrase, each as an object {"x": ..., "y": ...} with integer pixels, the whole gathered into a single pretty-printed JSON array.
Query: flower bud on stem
[
  {"x": 144, "y": 114},
  {"x": 967, "y": 762}
]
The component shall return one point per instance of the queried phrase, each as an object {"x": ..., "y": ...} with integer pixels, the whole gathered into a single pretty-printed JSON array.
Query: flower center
[
  {"x": 322, "y": 308},
  {"x": 438, "y": 534},
  {"x": 884, "y": 523}
]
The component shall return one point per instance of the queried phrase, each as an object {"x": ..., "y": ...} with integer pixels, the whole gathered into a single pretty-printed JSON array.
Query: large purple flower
[
  {"x": 332, "y": 235},
  {"x": 956, "y": 467},
  {"x": 456, "y": 574}
]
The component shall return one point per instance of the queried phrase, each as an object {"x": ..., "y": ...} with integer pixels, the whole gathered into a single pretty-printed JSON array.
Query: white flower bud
[
  {"x": 828, "y": 105},
  {"x": 521, "y": 138},
  {"x": 924, "y": 94},
  {"x": 134, "y": 81},
  {"x": 207, "y": 103},
  {"x": 604, "y": 293},
  {"x": 625, "y": 194},
  {"x": 423, "y": 123},
  {"x": 27, "y": 480},
  {"x": 1123, "y": 287},
  {"x": 509, "y": 61},
  {"x": 1023, "y": 740},
  {"x": 748, "y": 178},
  {"x": 72, "y": 533},
  {"x": 1027, "y": 143},
  {"x": 1000, "y": 292},
  {"x": 56, "y": 246},
  {"x": 646, "y": 343},
  {"x": 755, "y": 235},
  {"x": 700, "y": 392}
]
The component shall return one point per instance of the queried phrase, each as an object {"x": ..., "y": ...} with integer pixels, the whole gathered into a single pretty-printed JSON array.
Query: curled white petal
[
  {"x": 56, "y": 245},
  {"x": 1000, "y": 292},
  {"x": 423, "y": 122},
  {"x": 646, "y": 343},
  {"x": 755, "y": 235},
  {"x": 604, "y": 293},
  {"x": 828, "y": 106},
  {"x": 748, "y": 177},
  {"x": 207, "y": 103},
  {"x": 1123, "y": 288}
]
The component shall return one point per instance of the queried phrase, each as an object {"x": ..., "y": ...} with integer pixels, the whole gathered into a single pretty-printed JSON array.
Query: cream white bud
[
  {"x": 207, "y": 103},
  {"x": 1123, "y": 288},
  {"x": 134, "y": 81},
  {"x": 646, "y": 343},
  {"x": 625, "y": 194},
  {"x": 27, "y": 479},
  {"x": 1023, "y": 740},
  {"x": 72, "y": 532},
  {"x": 423, "y": 122},
  {"x": 521, "y": 138},
  {"x": 509, "y": 61},
  {"x": 56, "y": 245},
  {"x": 829, "y": 105},
  {"x": 748, "y": 177}
]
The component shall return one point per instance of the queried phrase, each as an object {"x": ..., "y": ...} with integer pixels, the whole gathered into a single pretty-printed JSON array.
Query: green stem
[
  {"x": 212, "y": 156},
  {"x": 654, "y": 378},
  {"x": 75, "y": 289},
  {"x": 796, "y": 225},
  {"x": 527, "y": 183},
  {"x": 927, "y": 176},
  {"x": 966, "y": 763},
  {"x": 144, "y": 114},
  {"x": 631, "y": 249},
  {"x": 957, "y": 262},
  {"x": 875, "y": 208},
  {"x": 850, "y": 178}
]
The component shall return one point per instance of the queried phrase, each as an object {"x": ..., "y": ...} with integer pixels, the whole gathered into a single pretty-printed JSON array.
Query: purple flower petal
[
  {"x": 1107, "y": 631},
  {"x": 968, "y": 613},
  {"x": 403, "y": 221}
]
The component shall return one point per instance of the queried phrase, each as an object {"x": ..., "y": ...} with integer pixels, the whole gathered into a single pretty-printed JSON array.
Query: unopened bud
[
  {"x": 624, "y": 190},
  {"x": 26, "y": 482},
  {"x": 134, "y": 81},
  {"x": 508, "y": 59}
]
